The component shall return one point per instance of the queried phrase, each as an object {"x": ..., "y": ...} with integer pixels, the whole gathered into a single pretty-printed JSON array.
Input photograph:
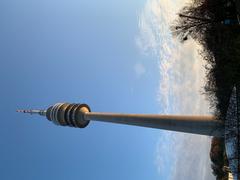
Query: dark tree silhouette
[
  {"x": 217, "y": 157},
  {"x": 203, "y": 21},
  {"x": 198, "y": 17}
]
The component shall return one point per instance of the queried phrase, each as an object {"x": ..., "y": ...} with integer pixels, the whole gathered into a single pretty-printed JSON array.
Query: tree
[{"x": 196, "y": 18}]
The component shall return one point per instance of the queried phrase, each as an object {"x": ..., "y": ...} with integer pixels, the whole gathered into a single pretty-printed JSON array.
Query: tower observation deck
[{"x": 79, "y": 115}]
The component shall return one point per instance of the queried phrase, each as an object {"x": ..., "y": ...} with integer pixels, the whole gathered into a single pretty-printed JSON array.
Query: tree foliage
[
  {"x": 197, "y": 18},
  {"x": 218, "y": 158},
  {"x": 203, "y": 21}
]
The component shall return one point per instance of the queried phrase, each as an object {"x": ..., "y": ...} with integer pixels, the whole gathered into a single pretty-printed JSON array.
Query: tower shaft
[{"x": 202, "y": 125}]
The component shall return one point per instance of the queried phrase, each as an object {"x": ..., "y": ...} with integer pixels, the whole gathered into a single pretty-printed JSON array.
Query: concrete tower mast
[{"x": 79, "y": 115}]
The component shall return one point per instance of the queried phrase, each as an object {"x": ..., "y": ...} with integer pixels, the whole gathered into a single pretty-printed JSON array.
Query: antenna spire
[{"x": 32, "y": 111}]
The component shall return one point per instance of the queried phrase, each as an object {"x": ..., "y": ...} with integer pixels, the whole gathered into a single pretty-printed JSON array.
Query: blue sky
[{"x": 82, "y": 51}]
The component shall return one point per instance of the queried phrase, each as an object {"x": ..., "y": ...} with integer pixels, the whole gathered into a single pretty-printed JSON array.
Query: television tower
[{"x": 79, "y": 115}]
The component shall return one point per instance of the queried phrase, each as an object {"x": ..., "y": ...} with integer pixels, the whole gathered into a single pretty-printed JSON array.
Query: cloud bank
[{"x": 181, "y": 69}]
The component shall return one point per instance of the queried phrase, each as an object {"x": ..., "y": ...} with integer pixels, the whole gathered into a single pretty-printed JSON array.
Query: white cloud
[
  {"x": 188, "y": 158},
  {"x": 180, "y": 85},
  {"x": 139, "y": 69}
]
